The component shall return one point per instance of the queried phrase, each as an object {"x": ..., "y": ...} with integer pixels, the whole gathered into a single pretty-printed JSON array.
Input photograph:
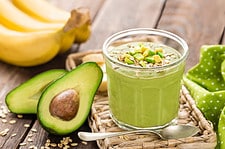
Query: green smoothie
[{"x": 144, "y": 92}]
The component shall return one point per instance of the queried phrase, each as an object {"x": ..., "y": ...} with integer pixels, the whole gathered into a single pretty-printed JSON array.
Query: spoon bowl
[{"x": 169, "y": 132}]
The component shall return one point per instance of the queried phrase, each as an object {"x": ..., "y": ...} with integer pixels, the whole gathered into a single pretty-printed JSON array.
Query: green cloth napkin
[
  {"x": 221, "y": 130},
  {"x": 206, "y": 83}
]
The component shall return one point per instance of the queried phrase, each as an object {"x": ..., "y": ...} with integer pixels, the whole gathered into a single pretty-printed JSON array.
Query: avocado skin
[
  {"x": 23, "y": 99},
  {"x": 85, "y": 79}
]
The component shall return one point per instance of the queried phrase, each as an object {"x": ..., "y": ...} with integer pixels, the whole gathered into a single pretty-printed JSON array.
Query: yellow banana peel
[
  {"x": 78, "y": 28},
  {"x": 48, "y": 13},
  {"x": 15, "y": 19},
  {"x": 34, "y": 42},
  {"x": 83, "y": 31},
  {"x": 28, "y": 49}
]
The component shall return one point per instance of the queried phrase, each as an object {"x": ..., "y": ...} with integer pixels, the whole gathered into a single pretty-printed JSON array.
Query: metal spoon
[{"x": 169, "y": 132}]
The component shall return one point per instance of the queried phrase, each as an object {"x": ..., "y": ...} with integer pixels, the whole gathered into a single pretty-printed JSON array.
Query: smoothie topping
[{"x": 147, "y": 55}]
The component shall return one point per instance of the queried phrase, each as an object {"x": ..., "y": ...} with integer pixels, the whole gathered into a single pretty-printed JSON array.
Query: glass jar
[{"x": 144, "y": 97}]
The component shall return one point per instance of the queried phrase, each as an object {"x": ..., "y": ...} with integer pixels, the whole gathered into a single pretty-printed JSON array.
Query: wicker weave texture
[{"x": 100, "y": 121}]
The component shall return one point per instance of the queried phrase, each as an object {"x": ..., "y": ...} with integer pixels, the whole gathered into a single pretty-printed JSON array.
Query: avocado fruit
[
  {"x": 24, "y": 98},
  {"x": 65, "y": 104}
]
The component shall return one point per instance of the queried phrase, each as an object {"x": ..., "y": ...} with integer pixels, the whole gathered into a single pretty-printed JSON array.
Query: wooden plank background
[{"x": 199, "y": 22}]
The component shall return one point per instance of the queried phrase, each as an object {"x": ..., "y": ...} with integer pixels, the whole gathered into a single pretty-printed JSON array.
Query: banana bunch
[{"x": 32, "y": 32}]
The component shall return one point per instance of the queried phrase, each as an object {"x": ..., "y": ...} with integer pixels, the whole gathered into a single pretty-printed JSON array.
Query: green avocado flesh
[
  {"x": 84, "y": 80},
  {"x": 24, "y": 98}
]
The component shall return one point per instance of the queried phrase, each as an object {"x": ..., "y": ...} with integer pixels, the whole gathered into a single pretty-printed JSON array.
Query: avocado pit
[{"x": 65, "y": 104}]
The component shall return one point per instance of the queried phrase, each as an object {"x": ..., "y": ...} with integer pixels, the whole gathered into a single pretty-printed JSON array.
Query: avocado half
[
  {"x": 24, "y": 98},
  {"x": 65, "y": 104}
]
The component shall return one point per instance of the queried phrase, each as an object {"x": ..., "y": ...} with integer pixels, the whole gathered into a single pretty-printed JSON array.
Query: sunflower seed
[
  {"x": 34, "y": 130},
  {"x": 74, "y": 144},
  {"x": 23, "y": 144},
  {"x": 26, "y": 125},
  {"x": 4, "y": 132},
  {"x": 20, "y": 116},
  {"x": 12, "y": 121},
  {"x": 4, "y": 120},
  {"x": 13, "y": 135}
]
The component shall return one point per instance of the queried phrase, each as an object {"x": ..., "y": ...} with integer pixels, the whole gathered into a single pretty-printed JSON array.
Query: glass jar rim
[{"x": 146, "y": 31}]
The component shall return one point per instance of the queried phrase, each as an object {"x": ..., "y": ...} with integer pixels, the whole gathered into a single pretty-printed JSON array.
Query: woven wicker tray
[{"x": 100, "y": 121}]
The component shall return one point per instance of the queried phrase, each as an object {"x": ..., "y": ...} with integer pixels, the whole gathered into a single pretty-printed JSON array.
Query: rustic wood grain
[
  {"x": 12, "y": 76},
  {"x": 8, "y": 80},
  {"x": 18, "y": 129},
  {"x": 223, "y": 40},
  {"x": 198, "y": 22},
  {"x": 117, "y": 15},
  {"x": 93, "y": 6},
  {"x": 38, "y": 136},
  {"x": 133, "y": 20}
]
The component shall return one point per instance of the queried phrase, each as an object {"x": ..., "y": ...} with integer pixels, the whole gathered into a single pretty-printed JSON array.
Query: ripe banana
[
  {"x": 34, "y": 42},
  {"x": 35, "y": 48},
  {"x": 17, "y": 19},
  {"x": 28, "y": 48},
  {"x": 50, "y": 13},
  {"x": 82, "y": 30},
  {"x": 14, "y": 18},
  {"x": 42, "y": 10}
]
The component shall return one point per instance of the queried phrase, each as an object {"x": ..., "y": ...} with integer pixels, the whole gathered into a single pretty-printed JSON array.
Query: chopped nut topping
[{"x": 144, "y": 54}]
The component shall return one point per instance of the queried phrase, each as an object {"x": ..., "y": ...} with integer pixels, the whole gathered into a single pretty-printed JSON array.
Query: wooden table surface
[{"x": 199, "y": 22}]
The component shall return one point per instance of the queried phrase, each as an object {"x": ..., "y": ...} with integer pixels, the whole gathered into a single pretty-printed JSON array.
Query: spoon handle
[{"x": 89, "y": 136}]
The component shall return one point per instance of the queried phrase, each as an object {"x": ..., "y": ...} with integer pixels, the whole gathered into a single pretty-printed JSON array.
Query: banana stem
[{"x": 78, "y": 18}]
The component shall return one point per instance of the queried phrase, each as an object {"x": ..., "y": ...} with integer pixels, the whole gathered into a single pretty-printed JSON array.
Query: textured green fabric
[
  {"x": 221, "y": 130},
  {"x": 208, "y": 72},
  {"x": 210, "y": 103},
  {"x": 206, "y": 83}
]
